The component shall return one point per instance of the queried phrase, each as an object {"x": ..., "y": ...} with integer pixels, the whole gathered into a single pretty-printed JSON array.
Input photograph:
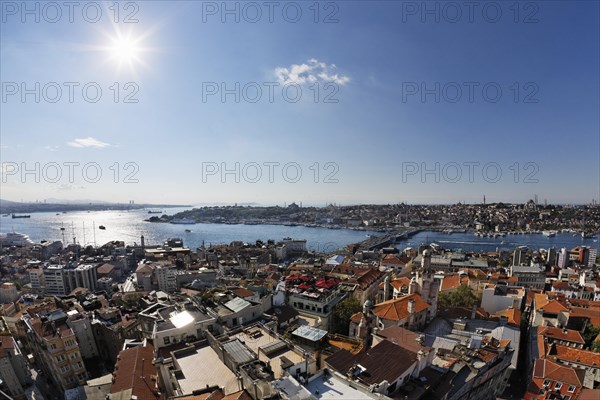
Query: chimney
[{"x": 411, "y": 306}]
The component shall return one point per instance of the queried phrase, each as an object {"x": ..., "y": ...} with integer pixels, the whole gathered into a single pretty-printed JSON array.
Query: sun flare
[{"x": 125, "y": 50}]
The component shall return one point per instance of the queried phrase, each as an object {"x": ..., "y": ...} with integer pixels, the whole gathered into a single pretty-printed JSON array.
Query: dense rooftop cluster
[{"x": 272, "y": 320}]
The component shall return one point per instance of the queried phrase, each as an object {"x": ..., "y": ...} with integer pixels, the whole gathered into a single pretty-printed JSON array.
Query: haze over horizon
[{"x": 185, "y": 103}]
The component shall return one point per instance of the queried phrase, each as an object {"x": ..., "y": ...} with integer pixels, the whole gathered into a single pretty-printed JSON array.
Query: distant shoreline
[{"x": 43, "y": 207}]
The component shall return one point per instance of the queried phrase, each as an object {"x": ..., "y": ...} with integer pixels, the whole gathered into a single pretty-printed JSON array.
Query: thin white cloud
[
  {"x": 88, "y": 142},
  {"x": 311, "y": 72},
  {"x": 51, "y": 148},
  {"x": 65, "y": 187}
]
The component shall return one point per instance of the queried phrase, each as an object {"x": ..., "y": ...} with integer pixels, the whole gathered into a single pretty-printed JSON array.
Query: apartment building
[{"x": 55, "y": 348}]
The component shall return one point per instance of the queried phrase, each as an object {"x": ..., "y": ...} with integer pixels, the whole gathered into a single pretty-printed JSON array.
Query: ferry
[
  {"x": 21, "y": 216},
  {"x": 183, "y": 221},
  {"x": 14, "y": 239},
  {"x": 154, "y": 211}
]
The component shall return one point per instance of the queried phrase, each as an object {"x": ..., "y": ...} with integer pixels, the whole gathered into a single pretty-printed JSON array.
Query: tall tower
[
  {"x": 427, "y": 286},
  {"x": 387, "y": 289}
]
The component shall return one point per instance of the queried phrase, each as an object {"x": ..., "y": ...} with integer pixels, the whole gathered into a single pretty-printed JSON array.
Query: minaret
[
  {"x": 428, "y": 286},
  {"x": 386, "y": 289},
  {"x": 424, "y": 275}
]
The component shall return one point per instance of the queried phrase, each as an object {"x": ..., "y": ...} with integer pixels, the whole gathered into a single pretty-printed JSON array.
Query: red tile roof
[
  {"x": 513, "y": 315},
  {"x": 397, "y": 309},
  {"x": 134, "y": 370},
  {"x": 569, "y": 335},
  {"x": 243, "y": 292},
  {"x": 550, "y": 372},
  {"x": 574, "y": 355},
  {"x": 105, "y": 269},
  {"x": 553, "y": 307},
  {"x": 392, "y": 259}
]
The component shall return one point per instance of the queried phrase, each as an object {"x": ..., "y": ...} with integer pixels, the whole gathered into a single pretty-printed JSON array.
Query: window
[
  {"x": 166, "y": 340},
  {"x": 546, "y": 382},
  {"x": 558, "y": 385},
  {"x": 571, "y": 388}
]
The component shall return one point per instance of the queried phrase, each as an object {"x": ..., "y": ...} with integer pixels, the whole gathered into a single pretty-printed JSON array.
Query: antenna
[
  {"x": 73, "y": 230},
  {"x": 83, "y": 222}
]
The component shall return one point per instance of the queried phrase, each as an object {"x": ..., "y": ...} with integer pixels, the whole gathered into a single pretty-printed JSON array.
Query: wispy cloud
[
  {"x": 310, "y": 72},
  {"x": 66, "y": 187},
  {"x": 51, "y": 148},
  {"x": 88, "y": 142}
]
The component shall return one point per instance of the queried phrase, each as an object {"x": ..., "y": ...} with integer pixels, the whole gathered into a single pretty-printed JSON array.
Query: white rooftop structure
[
  {"x": 237, "y": 304},
  {"x": 179, "y": 319}
]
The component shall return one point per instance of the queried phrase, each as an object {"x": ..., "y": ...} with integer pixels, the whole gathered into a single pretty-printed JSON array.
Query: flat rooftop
[
  {"x": 332, "y": 387},
  {"x": 258, "y": 338},
  {"x": 203, "y": 367}
]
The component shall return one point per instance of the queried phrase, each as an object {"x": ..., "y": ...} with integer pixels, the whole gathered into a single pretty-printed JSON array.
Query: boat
[
  {"x": 188, "y": 230},
  {"x": 14, "y": 239},
  {"x": 549, "y": 233},
  {"x": 102, "y": 227},
  {"x": 21, "y": 216},
  {"x": 183, "y": 221},
  {"x": 5, "y": 215},
  {"x": 154, "y": 211}
]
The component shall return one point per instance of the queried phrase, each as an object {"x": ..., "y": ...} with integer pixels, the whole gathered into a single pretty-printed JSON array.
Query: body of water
[
  {"x": 470, "y": 242},
  {"x": 129, "y": 226}
]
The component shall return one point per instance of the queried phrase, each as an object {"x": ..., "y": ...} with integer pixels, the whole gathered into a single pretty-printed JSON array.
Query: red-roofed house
[
  {"x": 135, "y": 375},
  {"x": 548, "y": 312},
  {"x": 567, "y": 337},
  {"x": 551, "y": 380},
  {"x": 588, "y": 360},
  {"x": 409, "y": 311}
]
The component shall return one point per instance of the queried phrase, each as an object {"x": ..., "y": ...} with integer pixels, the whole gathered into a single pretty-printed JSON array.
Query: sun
[{"x": 125, "y": 50}]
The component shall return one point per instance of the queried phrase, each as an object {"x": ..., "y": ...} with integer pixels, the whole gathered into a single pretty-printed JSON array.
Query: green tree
[
  {"x": 464, "y": 296},
  {"x": 590, "y": 333},
  {"x": 342, "y": 313}
]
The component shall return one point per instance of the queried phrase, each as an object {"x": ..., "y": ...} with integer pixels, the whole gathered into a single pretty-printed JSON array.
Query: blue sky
[{"x": 370, "y": 146}]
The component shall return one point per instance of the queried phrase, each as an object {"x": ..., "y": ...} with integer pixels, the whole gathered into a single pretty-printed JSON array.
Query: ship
[
  {"x": 14, "y": 239},
  {"x": 154, "y": 211},
  {"x": 549, "y": 233},
  {"x": 21, "y": 216},
  {"x": 183, "y": 221},
  {"x": 102, "y": 227}
]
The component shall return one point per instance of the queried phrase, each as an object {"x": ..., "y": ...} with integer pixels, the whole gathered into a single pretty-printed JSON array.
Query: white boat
[
  {"x": 14, "y": 239},
  {"x": 183, "y": 221},
  {"x": 549, "y": 233}
]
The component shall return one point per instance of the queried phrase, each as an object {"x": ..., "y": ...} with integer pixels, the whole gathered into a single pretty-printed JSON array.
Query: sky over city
[{"x": 199, "y": 102}]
